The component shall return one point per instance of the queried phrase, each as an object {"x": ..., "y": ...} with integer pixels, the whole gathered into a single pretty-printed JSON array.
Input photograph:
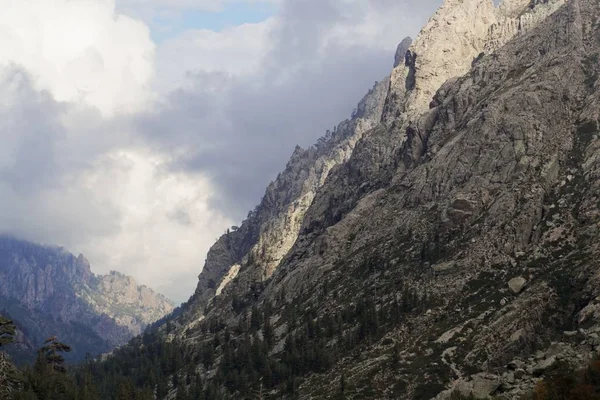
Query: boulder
[
  {"x": 544, "y": 365},
  {"x": 510, "y": 377},
  {"x": 516, "y": 285},
  {"x": 483, "y": 387},
  {"x": 515, "y": 364}
]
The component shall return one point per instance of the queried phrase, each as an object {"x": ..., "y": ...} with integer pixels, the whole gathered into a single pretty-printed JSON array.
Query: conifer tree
[
  {"x": 126, "y": 391},
  {"x": 51, "y": 353},
  {"x": 7, "y": 331}
]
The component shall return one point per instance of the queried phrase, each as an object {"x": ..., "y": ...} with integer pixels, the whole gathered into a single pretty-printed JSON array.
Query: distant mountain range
[{"x": 48, "y": 291}]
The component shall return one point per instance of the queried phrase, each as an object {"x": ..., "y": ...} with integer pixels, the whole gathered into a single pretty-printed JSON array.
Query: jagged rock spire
[
  {"x": 401, "y": 51},
  {"x": 455, "y": 35}
]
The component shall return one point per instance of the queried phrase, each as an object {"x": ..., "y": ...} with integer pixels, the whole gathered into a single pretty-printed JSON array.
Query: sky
[{"x": 137, "y": 131}]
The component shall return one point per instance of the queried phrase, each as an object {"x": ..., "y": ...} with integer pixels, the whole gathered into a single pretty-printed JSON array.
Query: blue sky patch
[{"x": 166, "y": 25}]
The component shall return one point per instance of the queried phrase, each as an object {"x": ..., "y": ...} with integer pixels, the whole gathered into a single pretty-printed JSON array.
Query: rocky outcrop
[
  {"x": 459, "y": 34},
  {"x": 48, "y": 291},
  {"x": 577, "y": 348},
  {"x": 517, "y": 17},
  {"x": 400, "y": 57},
  {"x": 516, "y": 285},
  {"x": 129, "y": 304}
]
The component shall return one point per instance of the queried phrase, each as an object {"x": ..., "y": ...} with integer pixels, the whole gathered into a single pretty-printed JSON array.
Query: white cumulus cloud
[
  {"x": 235, "y": 51},
  {"x": 74, "y": 75},
  {"x": 166, "y": 225},
  {"x": 81, "y": 51}
]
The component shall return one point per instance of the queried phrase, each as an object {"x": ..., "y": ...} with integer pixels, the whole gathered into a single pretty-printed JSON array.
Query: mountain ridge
[
  {"x": 46, "y": 290},
  {"x": 452, "y": 248}
]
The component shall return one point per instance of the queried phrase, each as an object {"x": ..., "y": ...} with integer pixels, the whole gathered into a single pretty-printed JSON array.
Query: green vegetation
[
  {"x": 564, "y": 383},
  {"x": 7, "y": 331},
  {"x": 239, "y": 360}
]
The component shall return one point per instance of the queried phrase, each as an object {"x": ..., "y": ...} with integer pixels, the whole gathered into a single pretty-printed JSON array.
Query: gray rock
[
  {"x": 543, "y": 365},
  {"x": 482, "y": 388},
  {"x": 515, "y": 364},
  {"x": 510, "y": 378},
  {"x": 444, "y": 266},
  {"x": 516, "y": 285},
  {"x": 401, "y": 51},
  {"x": 519, "y": 373}
]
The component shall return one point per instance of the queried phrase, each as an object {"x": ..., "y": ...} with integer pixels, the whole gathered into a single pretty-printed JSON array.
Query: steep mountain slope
[
  {"x": 455, "y": 244},
  {"x": 271, "y": 229},
  {"x": 48, "y": 291}
]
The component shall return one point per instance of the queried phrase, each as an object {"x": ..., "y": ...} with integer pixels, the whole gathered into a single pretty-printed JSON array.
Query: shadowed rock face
[
  {"x": 48, "y": 291},
  {"x": 464, "y": 215}
]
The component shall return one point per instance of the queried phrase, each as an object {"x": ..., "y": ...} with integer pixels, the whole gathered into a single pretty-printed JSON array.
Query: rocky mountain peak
[
  {"x": 131, "y": 305},
  {"x": 403, "y": 47},
  {"x": 48, "y": 290},
  {"x": 457, "y": 34}
]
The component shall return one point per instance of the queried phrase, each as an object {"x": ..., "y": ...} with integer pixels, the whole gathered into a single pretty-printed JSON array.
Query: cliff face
[
  {"x": 252, "y": 252},
  {"x": 48, "y": 291},
  {"x": 446, "y": 239},
  {"x": 129, "y": 304},
  {"x": 460, "y": 32}
]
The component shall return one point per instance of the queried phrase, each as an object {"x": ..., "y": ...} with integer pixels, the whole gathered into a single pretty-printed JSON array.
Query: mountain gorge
[
  {"x": 443, "y": 239},
  {"x": 50, "y": 292}
]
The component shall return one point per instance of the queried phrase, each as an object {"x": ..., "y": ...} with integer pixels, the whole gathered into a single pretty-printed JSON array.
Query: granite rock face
[
  {"x": 272, "y": 228},
  {"x": 48, "y": 291},
  {"x": 476, "y": 162}
]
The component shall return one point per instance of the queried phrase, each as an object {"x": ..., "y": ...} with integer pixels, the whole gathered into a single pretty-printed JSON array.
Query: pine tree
[
  {"x": 52, "y": 351},
  {"x": 395, "y": 356},
  {"x": 7, "y": 331},
  {"x": 182, "y": 393},
  {"x": 126, "y": 391},
  {"x": 10, "y": 380},
  {"x": 88, "y": 391},
  {"x": 48, "y": 378}
]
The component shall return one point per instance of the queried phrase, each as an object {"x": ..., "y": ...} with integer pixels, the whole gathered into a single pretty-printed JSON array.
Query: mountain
[
  {"x": 445, "y": 238},
  {"x": 48, "y": 291}
]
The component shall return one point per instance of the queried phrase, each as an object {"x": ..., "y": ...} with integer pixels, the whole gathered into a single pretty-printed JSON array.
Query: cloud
[
  {"x": 251, "y": 93},
  {"x": 39, "y": 163},
  {"x": 65, "y": 179},
  {"x": 140, "y": 155},
  {"x": 73, "y": 171},
  {"x": 238, "y": 50},
  {"x": 166, "y": 224},
  {"x": 81, "y": 51}
]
